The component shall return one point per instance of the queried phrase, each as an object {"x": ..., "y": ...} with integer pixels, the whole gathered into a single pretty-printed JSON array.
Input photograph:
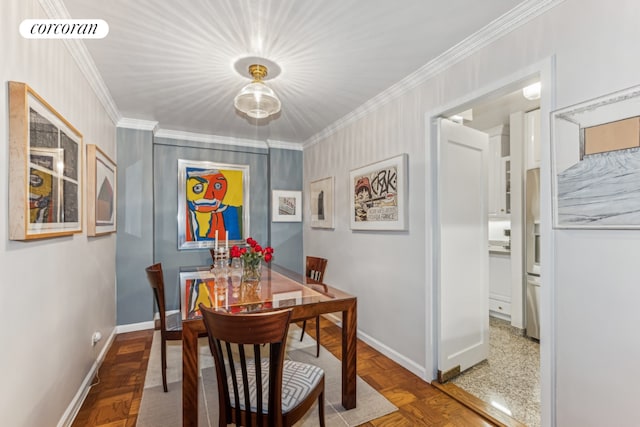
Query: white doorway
[{"x": 547, "y": 372}]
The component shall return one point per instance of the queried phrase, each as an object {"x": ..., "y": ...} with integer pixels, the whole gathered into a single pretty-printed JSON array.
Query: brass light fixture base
[{"x": 258, "y": 72}]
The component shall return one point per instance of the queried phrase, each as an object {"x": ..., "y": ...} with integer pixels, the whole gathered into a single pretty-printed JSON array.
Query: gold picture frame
[
  {"x": 101, "y": 192},
  {"x": 45, "y": 169}
]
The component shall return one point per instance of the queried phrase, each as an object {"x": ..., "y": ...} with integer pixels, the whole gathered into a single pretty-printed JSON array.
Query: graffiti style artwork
[
  {"x": 379, "y": 195},
  {"x": 212, "y": 201},
  {"x": 45, "y": 169}
]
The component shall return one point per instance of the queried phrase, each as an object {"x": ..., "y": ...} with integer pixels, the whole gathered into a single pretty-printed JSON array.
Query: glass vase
[{"x": 251, "y": 273}]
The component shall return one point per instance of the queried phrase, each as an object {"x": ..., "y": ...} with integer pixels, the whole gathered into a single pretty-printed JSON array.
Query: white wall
[
  {"x": 592, "y": 276},
  {"x": 54, "y": 293}
]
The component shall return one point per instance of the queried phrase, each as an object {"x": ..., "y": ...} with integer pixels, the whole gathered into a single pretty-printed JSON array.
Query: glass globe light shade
[{"x": 257, "y": 100}]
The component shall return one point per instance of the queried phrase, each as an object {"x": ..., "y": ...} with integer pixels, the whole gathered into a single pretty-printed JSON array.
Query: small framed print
[
  {"x": 101, "y": 192},
  {"x": 321, "y": 202},
  {"x": 286, "y": 206}
]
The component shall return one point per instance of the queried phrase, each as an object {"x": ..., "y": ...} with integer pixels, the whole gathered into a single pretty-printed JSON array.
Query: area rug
[{"x": 159, "y": 409}]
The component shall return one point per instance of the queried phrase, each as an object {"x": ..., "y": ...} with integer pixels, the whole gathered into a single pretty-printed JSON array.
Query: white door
[{"x": 463, "y": 273}]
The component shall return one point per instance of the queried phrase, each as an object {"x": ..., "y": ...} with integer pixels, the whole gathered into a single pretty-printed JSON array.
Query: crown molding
[
  {"x": 516, "y": 17},
  {"x": 55, "y": 9},
  {"x": 210, "y": 139},
  {"x": 138, "y": 124},
  {"x": 283, "y": 145}
]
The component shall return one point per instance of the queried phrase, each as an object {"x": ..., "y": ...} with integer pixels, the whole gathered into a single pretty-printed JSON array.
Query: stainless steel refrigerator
[{"x": 532, "y": 253}]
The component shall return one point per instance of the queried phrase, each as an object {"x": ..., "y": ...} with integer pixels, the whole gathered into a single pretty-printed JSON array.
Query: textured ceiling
[{"x": 172, "y": 62}]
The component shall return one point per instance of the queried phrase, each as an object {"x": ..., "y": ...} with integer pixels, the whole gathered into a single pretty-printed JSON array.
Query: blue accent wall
[
  {"x": 134, "y": 245},
  {"x": 286, "y": 237},
  {"x": 148, "y": 209}
]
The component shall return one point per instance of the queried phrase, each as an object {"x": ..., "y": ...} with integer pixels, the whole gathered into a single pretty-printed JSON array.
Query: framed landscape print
[
  {"x": 321, "y": 202},
  {"x": 45, "y": 169},
  {"x": 101, "y": 192},
  {"x": 213, "y": 203},
  {"x": 378, "y": 195},
  {"x": 286, "y": 206},
  {"x": 595, "y": 147}
]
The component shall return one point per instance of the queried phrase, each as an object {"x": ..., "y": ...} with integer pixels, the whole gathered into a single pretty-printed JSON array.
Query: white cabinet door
[
  {"x": 532, "y": 138},
  {"x": 499, "y": 175}
]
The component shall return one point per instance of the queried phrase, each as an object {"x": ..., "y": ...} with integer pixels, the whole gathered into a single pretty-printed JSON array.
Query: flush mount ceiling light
[
  {"x": 256, "y": 99},
  {"x": 532, "y": 92}
]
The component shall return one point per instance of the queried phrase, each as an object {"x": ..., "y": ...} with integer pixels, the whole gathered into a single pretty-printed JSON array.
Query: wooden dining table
[{"x": 279, "y": 288}]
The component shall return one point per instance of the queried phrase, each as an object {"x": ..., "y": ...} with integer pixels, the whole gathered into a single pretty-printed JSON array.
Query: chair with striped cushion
[{"x": 256, "y": 389}]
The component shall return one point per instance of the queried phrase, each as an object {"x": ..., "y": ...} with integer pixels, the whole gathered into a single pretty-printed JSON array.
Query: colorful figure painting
[{"x": 213, "y": 201}]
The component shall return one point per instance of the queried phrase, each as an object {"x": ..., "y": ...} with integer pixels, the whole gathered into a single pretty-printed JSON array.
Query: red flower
[
  {"x": 235, "y": 252},
  {"x": 253, "y": 253}
]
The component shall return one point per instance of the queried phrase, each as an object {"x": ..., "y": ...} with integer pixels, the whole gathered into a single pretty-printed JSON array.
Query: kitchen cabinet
[
  {"x": 500, "y": 284},
  {"x": 499, "y": 202},
  {"x": 532, "y": 138}
]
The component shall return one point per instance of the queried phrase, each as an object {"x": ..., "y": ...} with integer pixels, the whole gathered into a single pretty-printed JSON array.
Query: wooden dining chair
[
  {"x": 256, "y": 389},
  {"x": 315, "y": 268},
  {"x": 170, "y": 326}
]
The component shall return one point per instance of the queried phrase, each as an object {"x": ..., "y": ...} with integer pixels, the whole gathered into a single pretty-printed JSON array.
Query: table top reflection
[{"x": 278, "y": 288}]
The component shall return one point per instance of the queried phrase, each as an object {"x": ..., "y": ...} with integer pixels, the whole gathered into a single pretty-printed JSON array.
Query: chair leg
[
  {"x": 304, "y": 325},
  {"x": 321, "y": 408},
  {"x": 318, "y": 336},
  {"x": 163, "y": 353}
]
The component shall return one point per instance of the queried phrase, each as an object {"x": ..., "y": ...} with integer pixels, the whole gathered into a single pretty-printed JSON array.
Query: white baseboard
[
  {"x": 133, "y": 327},
  {"x": 400, "y": 359},
  {"x": 74, "y": 407}
]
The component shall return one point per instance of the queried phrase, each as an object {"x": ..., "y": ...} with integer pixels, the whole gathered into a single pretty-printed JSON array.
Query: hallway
[{"x": 510, "y": 378}]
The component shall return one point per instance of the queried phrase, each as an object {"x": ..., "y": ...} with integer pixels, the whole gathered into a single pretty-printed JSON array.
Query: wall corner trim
[
  {"x": 55, "y": 9},
  {"x": 518, "y": 16}
]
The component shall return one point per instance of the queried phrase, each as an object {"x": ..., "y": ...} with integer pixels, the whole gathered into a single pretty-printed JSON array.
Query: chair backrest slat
[{"x": 315, "y": 267}]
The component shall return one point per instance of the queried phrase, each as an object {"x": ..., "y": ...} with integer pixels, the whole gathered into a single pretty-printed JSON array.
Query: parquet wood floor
[{"x": 115, "y": 399}]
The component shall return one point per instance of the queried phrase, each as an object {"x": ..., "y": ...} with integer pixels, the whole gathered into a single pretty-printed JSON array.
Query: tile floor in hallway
[{"x": 511, "y": 375}]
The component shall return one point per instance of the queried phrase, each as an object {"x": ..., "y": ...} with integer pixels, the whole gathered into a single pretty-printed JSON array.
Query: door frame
[{"x": 545, "y": 69}]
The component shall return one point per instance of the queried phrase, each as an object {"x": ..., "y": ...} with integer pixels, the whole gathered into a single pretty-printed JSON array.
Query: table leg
[
  {"x": 349, "y": 359},
  {"x": 189, "y": 376}
]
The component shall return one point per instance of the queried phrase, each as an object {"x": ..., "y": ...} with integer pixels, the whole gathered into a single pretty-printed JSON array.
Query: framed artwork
[
  {"x": 213, "y": 204},
  {"x": 321, "y": 202},
  {"x": 286, "y": 206},
  {"x": 595, "y": 148},
  {"x": 378, "y": 195},
  {"x": 101, "y": 192},
  {"x": 197, "y": 287},
  {"x": 45, "y": 169}
]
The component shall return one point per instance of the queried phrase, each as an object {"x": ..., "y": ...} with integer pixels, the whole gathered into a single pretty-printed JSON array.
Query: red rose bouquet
[{"x": 252, "y": 255}]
